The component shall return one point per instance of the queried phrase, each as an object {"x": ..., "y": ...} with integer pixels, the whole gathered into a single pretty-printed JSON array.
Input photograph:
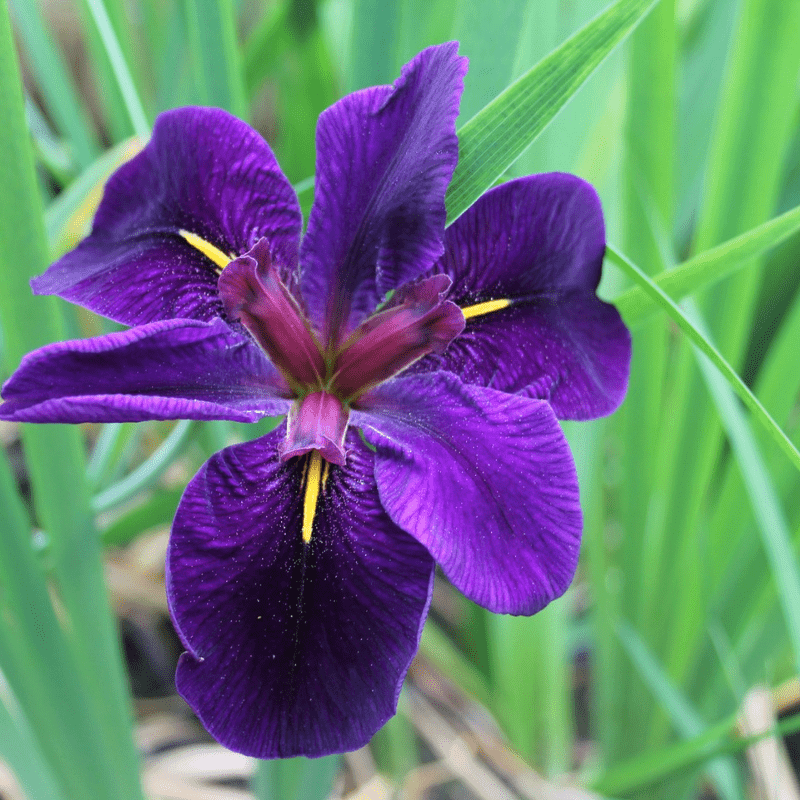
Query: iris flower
[{"x": 422, "y": 371}]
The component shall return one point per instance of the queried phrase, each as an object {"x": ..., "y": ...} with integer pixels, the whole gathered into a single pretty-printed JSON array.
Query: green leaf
[
  {"x": 531, "y": 683},
  {"x": 264, "y": 44},
  {"x": 299, "y": 778},
  {"x": 373, "y": 50},
  {"x": 708, "y": 349},
  {"x": 706, "y": 268},
  {"x": 56, "y": 85},
  {"x": 37, "y": 663},
  {"x": 772, "y": 525},
  {"x": 54, "y": 454},
  {"x": 755, "y": 121},
  {"x": 122, "y": 73},
  {"x": 19, "y": 747},
  {"x": 445, "y": 656},
  {"x": 719, "y": 739},
  {"x": 215, "y": 54},
  {"x": 684, "y": 717},
  {"x": 487, "y": 32},
  {"x": 157, "y": 510},
  {"x": 146, "y": 474},
  {"x": 495, "y": 137},
  {"x": 648, "y": 170}
]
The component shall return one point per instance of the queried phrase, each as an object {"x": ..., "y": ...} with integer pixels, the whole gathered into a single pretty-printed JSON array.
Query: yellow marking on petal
[
  {"x": 325, "y": 472},
  {"x": 207, "y": 249},
  {"x": 312, "y": 481},
  {"x": 479, "y": 309}
]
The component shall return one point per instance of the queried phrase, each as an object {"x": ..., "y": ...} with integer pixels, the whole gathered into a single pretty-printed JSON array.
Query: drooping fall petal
[
  {"x": 484, "y": 479},
  {"x": 295, "y": 648},
  {"x": 176, "y": 369},
  {"x": 525, "y": 262}
]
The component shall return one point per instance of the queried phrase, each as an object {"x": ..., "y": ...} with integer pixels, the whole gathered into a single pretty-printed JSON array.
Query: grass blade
[
  {"x": 648, "y": 171},
  {"x": 487, "y": 31},
  {"x": 498, "y": 134},
  {"x": 756, "y": 117},
  {"x": 55, "y": 83},
  {"x": 300, "y": 778},
  {"x": 18, "y": 746},
  {"x": 373, "y": 53},
  {"x": 264, "y": 44},
  {"x": 764, "y": 501},
  {"x": 708, "y": 267},
  {"x": 697, "y": 338},
  {"x": 122, "y": 74},
  {"x": 147, "y": 473},
  {"x": 720, "y": 739},
  {"x": 215, "y": 53},
  {"x": 683, "y": 716},
  {"x": 55, "y": 453}
]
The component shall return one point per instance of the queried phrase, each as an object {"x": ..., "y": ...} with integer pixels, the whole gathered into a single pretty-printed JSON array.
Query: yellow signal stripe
[
  {"x": 479, "y": 309},
  {"x": 313, "y": 480},
  {"x": 206, "y": 248}
]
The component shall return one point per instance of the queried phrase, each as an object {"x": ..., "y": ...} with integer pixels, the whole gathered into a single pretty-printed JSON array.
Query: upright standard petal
[
  {"x": 525, "y": 262},
  {"x": 166, "y": 370},
  {"x": 295, "y": 647},
  {"x": 484, "y": 479},
  {"x": 385, "y": 156},
  {"x": 205, "y": 189}
]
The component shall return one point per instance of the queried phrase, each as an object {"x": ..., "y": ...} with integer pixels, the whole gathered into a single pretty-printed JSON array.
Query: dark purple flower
[{"x": 422, "y": 373}]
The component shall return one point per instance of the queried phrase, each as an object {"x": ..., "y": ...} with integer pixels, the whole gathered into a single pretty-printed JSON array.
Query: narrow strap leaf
[
  {"x": 770, "y": 518},
  {"x": 121, "y": 72},
  {"x": 498, "y": 134},
  {"x": 708, "y": 267},
  {"x": 147, "y": 473},
  {"x": 685, "y": 719},
  {"x": 55, "y": 82},
  {"x": 681, "y": 320},
  {"x": 211, "y": 25}
]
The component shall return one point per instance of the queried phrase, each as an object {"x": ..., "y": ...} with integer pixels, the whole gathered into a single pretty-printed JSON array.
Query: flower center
[
  {"x": 325, "y": 381},
  {"x": 417, "y": 321}
]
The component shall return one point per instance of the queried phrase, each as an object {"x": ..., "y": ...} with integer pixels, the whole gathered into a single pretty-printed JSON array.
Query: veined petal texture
[
  {"x": 485, "y": 480},
  {"x": 203, "y": 172},
  {"x": 175, "y": 369},
  {"x": 538, "y": 243},
  {"x": 295, "y": 648},
  {"x": 385, "y": 156}
]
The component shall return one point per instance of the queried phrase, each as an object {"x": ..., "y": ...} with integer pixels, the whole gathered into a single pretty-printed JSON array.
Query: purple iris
[{"x": 422, "y": 372}]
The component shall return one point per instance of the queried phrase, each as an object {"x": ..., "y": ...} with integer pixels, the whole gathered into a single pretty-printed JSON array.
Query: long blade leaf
[
  {"x": 498, "y": 134},
  {"x": 684, "y": 717},
  {"x": 710, "y": 266},
  {"x": 697, "y": 338}
]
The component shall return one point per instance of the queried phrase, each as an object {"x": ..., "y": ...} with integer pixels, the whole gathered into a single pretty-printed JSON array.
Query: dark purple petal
[
  {"x": 294, "y": 648},
  {"x": 385, "y": 156},
  {"x": 538, "y": 242},
  {"x": 204, "y": 172},
  {"x": 484, "y": 479},
  {"x": 165, "y": 370}
]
